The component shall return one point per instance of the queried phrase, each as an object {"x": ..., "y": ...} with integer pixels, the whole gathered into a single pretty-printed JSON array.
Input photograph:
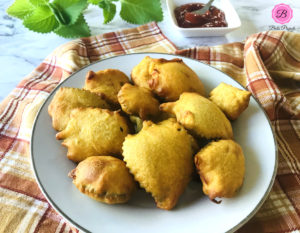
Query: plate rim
[{"x": 68, "y": 219}]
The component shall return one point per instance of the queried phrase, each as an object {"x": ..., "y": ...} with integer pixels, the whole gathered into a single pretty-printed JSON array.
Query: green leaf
[
  {"x": 71, "y": 9},
  {"x": 109, "y": 11},
  {"x": 38, "y": 2},
  {"x": 95, "y": 2},
  {"x": 140, "y": 12},
  {"x": 20, "y": 9},
  {"x": 79, "y": 29},
  {"x": 58, "y": 14},
  {"x": 41, "y": 20}
]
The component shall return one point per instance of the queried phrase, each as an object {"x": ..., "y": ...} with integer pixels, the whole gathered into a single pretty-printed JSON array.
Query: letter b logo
[{"x": 282, "y": 13}]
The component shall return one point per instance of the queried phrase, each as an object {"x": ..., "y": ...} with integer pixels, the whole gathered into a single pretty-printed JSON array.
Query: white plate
[
  {"x": 231, "y": 16},
  {"x": 194, "y": 212}
]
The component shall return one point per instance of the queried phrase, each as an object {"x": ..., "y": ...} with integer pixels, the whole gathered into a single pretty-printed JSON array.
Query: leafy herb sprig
[{"x": 66, "y": 17}]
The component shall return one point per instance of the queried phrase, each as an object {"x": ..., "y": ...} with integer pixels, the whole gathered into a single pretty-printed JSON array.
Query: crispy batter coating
[
  {"x": 138, "y": 101},
  {"x": 221, "y": 167},
  {"x": 104, "y": 178},
  {"x": 93, "y": 131},
  {"x": 160, "y": 157},
  {"x": 231, "y": 100},
  {"x": 166, "y": 78},
  {"x": 66, "y": 99},
  {"x": 140, "y": 74},
  {"x": 107, "y": 83},
  {"x": 199, "y": 115}
]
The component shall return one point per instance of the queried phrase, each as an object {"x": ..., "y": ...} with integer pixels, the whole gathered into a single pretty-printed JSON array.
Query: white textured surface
[{"x": 21, "y": 50}]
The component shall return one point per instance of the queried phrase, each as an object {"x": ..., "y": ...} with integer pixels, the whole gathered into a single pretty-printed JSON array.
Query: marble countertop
[{"x": 22, "y": 50}]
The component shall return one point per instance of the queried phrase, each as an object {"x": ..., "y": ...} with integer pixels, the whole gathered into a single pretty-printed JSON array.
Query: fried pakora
[
  {"x": 160, "y": 157},
  {"x": 66, "y": 99},
  {"x": 106, "y": 83},
  {"x": 140, "y": 74},
  {"x": 166, "y": 78},
  {"x": 221, "y": 166},
  {"x": 93, "y": 131},
  {"x": 231, "y": 100},
  {"x": 138, "y": 101},
  {"x": 104, "y": 178},
  {"x": 199, "y": 115}
]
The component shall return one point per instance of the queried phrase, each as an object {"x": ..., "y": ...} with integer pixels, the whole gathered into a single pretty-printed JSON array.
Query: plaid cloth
[{"x": 268, "y": 64}]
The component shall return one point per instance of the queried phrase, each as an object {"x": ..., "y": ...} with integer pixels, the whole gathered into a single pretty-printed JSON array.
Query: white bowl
[{"x": 231, "y": 16}]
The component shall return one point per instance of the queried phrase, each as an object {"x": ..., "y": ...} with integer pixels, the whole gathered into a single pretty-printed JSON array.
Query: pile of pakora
[{"x": 150, "y": 132}]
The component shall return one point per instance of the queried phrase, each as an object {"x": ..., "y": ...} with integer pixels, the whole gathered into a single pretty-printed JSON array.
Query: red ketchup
[{"x": 213, "y": 17}]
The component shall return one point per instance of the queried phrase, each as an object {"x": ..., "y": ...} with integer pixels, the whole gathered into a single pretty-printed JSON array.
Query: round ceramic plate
[{"x": 194, "y": 211}]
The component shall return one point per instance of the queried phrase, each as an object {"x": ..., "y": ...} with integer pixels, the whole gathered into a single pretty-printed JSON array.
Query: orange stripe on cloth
[
  {"x": 21, "y": 185},
  {"x": 149, "y": 37},
  {"x": 5, "y": 144}
]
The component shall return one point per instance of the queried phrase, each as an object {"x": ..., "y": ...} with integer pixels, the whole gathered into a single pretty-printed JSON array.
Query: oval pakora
[
  {"x": 166, "y": 78},
  {"x": 104, "y": 178},
  {"x": 160, "y": 157},
  {"x": 66, "y": 99},
  {"x": 106, "y": 83},
  {"x": 221, "y": 166},
  {"x": 231, "y": 100},
  {"x": 199, "y": 115},
  {"x": 93, "y": 131},
  {"x": 140, "y": 74},
  {"x": 138, "y": 101}
]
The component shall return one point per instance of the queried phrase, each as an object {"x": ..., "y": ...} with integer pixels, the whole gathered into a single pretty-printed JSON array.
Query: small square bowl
[{"x": 231, "y": 17}]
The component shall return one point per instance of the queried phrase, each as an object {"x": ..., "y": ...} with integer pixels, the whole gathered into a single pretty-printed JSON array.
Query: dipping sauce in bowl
[{"x": 214, "y": 17}]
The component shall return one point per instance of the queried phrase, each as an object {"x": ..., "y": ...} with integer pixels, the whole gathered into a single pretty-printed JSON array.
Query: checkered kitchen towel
[{"x": 268, "y": 64}]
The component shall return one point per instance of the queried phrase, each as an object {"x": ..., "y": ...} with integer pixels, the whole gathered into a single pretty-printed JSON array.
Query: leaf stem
[{"x": 58, "y": 14}]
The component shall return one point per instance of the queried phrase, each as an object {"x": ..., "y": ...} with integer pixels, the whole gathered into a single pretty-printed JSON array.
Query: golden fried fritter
[
  {"x": 66, "y": 99},
  {"x": 138, "y": 101},
  {"x": 140, "y": 73},
  {"x": 160, "y": 157},
  {"x": 221, "y": 166},
  {"x": 106, "y": 83},
  {"x": 166, "y": 78},
  {"x": 104, "y": 178},
  {"x": 199, "y": 115},
  {"x": 93, "y": 131},
  {"x": 231, "y": 100}
]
